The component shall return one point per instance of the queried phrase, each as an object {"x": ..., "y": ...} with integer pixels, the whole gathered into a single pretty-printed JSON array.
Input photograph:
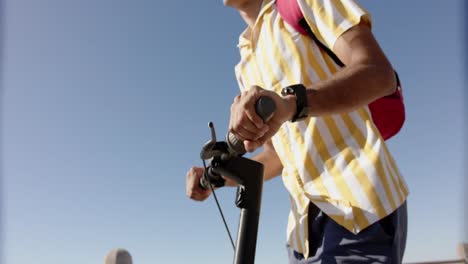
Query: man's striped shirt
[{"x": 339, "y": 162}]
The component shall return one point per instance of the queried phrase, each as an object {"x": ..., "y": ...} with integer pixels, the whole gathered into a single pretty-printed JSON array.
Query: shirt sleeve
[
  {"x": 240, "y": 83},
  {"x": 329, "y": 19}
]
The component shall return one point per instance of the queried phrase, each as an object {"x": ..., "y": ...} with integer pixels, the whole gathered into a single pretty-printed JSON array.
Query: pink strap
[{"x": 291, "y": 13}]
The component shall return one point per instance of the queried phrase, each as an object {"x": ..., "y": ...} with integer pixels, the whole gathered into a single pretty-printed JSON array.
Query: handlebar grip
[{"x": 264, "y": 107}]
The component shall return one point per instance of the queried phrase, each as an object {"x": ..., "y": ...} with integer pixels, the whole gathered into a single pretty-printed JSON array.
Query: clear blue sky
[{"x": 105, "y": 106}]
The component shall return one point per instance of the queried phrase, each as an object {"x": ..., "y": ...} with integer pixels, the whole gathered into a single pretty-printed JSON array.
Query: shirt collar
[{"x": 245, "y": 36}]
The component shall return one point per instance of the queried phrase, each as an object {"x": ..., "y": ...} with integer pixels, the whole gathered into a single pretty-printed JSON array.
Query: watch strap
[{"x": 300, "y": 92}]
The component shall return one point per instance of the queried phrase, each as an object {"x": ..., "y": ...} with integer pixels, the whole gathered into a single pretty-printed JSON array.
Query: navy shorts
[{"x": 330, "y": 243}]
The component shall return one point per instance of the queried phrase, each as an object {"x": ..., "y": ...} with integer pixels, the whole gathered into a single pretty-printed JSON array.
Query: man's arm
[
  {"x": 368, "y": 75},
  {"x": 270, "y": 161}
]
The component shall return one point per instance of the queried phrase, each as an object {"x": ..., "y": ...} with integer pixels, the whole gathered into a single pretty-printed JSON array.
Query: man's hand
[
  {"x": 246, "y": 125},
  {"x": 194, "y": 191}
]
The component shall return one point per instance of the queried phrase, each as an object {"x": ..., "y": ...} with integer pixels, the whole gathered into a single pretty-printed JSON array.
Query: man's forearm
[{"x": 350, "y": 88}]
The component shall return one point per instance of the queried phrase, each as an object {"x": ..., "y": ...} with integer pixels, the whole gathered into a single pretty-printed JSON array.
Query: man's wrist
[{"x": 291, "y": 106}]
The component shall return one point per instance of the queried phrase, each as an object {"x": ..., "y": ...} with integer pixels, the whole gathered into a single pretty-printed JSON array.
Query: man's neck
[{"x": 249, "y": 11}]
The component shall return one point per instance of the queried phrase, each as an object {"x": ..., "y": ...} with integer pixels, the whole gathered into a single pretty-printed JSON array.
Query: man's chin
[{"x": 234, "y": 3}]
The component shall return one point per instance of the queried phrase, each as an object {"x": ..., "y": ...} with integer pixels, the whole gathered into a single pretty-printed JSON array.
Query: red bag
[{"x": 388, "y": 113}]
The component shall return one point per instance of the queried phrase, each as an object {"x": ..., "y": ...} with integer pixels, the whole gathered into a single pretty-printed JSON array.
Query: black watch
[{"x": 302, "y": 108}]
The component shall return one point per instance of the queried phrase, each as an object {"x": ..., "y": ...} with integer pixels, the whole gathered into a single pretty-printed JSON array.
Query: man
[{"x": 347, "y": 194}]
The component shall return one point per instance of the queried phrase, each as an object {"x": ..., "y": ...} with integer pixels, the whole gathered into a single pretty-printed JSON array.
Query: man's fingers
[
  {"x": 254, "y": 118},
  {"x": 252, "y": 145},
  {"x": 243, "y": 134},
  {"x": 197, "y": 196},
  {"x": 193, "y": 189},
  {"x": 245, "y": 129},
  {"x": 195, "y": 192}
]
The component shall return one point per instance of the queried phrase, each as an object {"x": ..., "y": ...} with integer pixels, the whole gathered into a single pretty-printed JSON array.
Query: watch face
[{"x": 287, "y": 90}]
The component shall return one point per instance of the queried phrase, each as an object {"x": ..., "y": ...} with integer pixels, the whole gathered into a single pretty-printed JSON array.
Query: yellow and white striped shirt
[{"x": 338, "y": 162}]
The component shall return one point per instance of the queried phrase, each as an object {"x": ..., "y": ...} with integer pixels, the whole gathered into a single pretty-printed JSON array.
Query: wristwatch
[{"x": 302, "y": 108}]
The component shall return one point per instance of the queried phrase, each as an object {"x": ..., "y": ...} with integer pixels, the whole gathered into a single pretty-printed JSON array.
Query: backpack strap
[
  {"x": 290, "y": 12},
  {"x": 303, "y": 23}
]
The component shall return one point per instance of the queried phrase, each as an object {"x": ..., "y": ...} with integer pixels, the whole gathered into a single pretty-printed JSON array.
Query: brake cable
[{"x": 219, "y": 207}]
